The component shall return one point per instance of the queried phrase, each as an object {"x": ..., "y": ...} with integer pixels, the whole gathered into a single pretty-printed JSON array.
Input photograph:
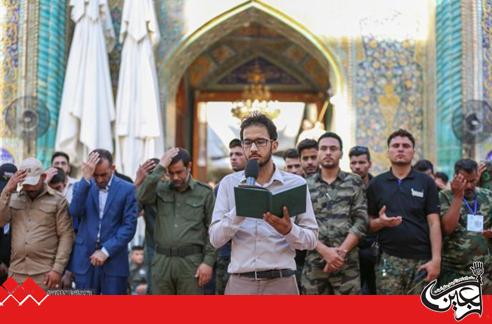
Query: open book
[{"x": 254, "y": 201}]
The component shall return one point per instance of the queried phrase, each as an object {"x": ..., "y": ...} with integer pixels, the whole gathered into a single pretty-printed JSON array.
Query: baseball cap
[
  {"x": 7, "y": 170},
  {"x": 34, "y": 171}
]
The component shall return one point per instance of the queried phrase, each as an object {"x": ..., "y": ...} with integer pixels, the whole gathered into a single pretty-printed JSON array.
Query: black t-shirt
[{"x": 413, "y": 198}]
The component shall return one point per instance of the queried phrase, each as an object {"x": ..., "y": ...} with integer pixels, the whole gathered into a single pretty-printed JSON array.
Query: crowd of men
[{"x": 386, "y": 234}]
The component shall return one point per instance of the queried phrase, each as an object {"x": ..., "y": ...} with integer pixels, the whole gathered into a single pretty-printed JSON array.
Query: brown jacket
[{"x": 42, "y": 232}]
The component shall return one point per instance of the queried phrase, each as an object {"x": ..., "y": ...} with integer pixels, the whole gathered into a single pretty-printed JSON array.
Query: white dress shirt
[
  {"x": 256, "y": 245},
  {"x": 68, "y": 193},
  {"x": 103, "y": 197}
]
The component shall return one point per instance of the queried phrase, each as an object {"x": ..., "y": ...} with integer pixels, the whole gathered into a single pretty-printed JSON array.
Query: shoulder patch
[{"x": 204, "y": 185}]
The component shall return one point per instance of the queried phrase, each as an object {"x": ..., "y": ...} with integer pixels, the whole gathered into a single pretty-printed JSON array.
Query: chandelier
[{"x": 255, "y": 97}]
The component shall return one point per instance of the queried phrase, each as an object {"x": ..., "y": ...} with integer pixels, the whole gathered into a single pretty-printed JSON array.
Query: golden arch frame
[{"x": 252, "y": 10}]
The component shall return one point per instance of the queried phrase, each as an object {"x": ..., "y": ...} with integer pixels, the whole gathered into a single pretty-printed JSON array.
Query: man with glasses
[
  {"x": 340, "y": 207},
  {"x": 263, "y": 250},
  {"x": 360, "y": 163}
]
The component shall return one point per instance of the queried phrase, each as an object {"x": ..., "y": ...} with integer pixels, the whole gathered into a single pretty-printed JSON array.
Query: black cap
[
  {"x": 7, "y": 170},
  {"x": 252, "y": 169}
]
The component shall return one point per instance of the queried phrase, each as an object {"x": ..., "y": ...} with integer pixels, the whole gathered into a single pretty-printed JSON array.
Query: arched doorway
[{"x": 207, "y": 66}]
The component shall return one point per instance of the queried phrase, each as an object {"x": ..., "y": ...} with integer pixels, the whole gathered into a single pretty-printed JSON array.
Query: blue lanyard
[{"x": 475, "y": 205}]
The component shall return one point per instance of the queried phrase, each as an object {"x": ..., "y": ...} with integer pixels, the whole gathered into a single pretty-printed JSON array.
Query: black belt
[
  {"x": 181, "y": 251},
  {"x": 268, "y": 274}
]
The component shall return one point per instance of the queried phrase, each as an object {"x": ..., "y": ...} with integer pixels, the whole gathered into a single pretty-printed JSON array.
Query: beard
[
  {"x": 329, "y": 165},
  {"x": 401, "y": 163},
  {"x": 267, "y": 159}
]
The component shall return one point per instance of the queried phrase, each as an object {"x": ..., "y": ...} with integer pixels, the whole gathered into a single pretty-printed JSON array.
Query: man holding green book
[{"x": 263, "y": 249}]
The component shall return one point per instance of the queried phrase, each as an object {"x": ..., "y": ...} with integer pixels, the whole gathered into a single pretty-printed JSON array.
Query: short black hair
[
  {"x": 182, "y": 155},
  {"x": 104, "y": 155},
  {"x": 306, "y": 144},
  {"x": 60, "y": 153},
  {"x": 359, "y": 150},
  {"x": 467, "y": 165},
  {"x": 259, "y": 119},
  {"x": 424, "y": 165},
  {"x": 401, "y": 133},
  {"x": 332, "y": 135},
  {"x": 137, "y": 248},
  {"x": 443, "y": 176},
  {"x": 291, "y": 154},
  {"x": 58, "y": 177},
  {"x": 235, "y": 143}
]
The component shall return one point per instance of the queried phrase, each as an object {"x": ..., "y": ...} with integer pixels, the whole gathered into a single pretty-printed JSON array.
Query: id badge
[{"x": 474, "y": 223}]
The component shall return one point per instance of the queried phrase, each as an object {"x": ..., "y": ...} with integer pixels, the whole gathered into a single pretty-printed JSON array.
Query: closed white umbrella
[
  {"x": 139, "y": 134},
  {"x": 87, "y": 107}
]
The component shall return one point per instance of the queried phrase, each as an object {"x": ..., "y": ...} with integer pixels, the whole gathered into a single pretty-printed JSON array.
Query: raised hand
[
  {"x": 50, "y": 173},
  {"x": 458, "y": 186},
  {"x": 389, "y": 221},
  {"x": 481, "y": 169},
  {"x": 143, "y": 171},
  {"x": 89, "y": 166},
  {"x": 17, "y": 178},
  {"x": 168, "y": 156}
]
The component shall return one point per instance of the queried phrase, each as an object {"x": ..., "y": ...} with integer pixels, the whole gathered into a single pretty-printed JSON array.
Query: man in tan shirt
[{"x": 42, "y": 233}]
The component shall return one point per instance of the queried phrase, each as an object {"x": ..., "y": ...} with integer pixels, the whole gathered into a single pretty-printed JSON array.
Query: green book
[{"x": 255, "y": 201}]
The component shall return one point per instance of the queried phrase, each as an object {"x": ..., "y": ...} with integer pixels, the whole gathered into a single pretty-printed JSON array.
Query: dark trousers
[
  {"x": 367, "y": 271},
  {"x": 101, "y": 283}
]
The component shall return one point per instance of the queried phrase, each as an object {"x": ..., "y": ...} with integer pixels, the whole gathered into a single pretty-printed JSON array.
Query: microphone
[{"x": 251, "y": 172}]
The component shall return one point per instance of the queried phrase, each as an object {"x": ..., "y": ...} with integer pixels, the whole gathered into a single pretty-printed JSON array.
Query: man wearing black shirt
[{"x": 404, "y": 209}]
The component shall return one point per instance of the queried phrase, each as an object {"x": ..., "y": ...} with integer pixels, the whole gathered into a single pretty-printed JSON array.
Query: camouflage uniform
[
  {"x": 486, "y": 179},
  {"x": 399, "y": 276},
  {"x": 462, "y": 247},
  {"x": 340, "y": 208},
  {"x": 221, "y": 274}
]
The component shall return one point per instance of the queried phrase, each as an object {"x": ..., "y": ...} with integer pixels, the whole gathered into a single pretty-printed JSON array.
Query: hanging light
[{"x": 256, "y": 97}]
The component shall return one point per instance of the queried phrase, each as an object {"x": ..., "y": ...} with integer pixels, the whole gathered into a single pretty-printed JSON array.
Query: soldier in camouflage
[
  {"x": 465, "y": 242},
  {"x": 341, "y": 212}
]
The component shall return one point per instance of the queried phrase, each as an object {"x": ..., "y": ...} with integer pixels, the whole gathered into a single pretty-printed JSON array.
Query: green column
[
  {"x": 51, "y": 68},
  {"x": 449, "y": 81}
]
